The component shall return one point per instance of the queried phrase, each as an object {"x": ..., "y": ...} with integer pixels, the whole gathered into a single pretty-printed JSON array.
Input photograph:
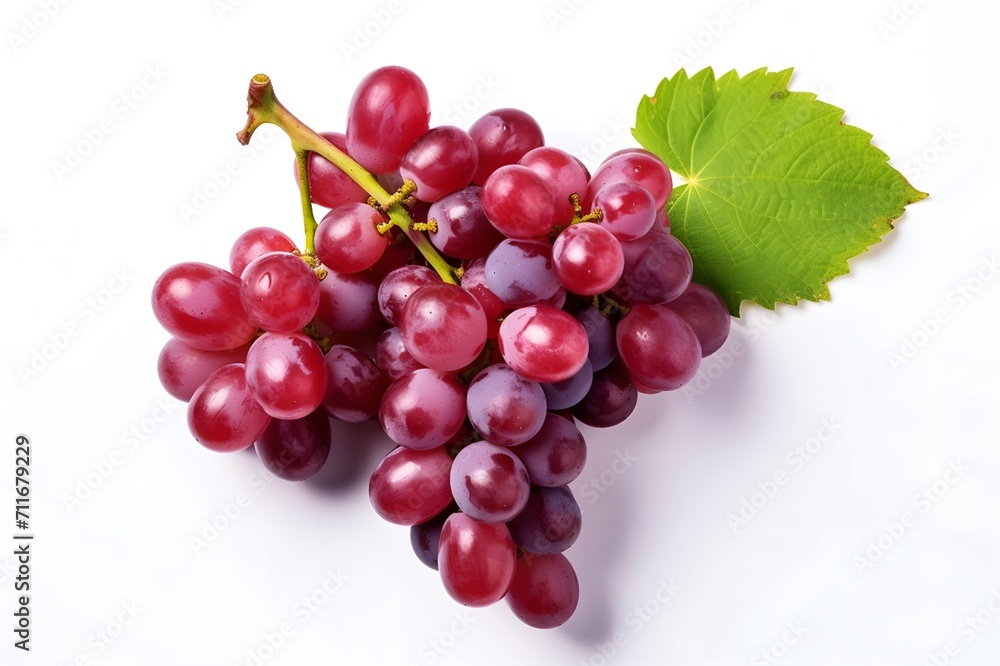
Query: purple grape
[
  {"x": 425, "y": 537},
  {"x": 463, "y": 230},
  {"x": 549, "y": 523},
  {"x": 280, "y": 292},
  {"x": 354, "y": 385},
  {"x": 555, "y": 456},
  {"x": 443, "y": 326},
  {"x": 295, "y": 450},
  {"x": 600, "y": 335},
  {"x": 503, "y": 137},
  {"x": 397, "y": 286},
  {"x": 565, "y": 394},
  {"x": 706, "y": 314},
  {"x": 489, "y": 483},
  {"x": 389, "y": 111},
  {"x": 520, "y": 272},
  {"x": 348, "y": 302},
  {"x": 505, "y": 408},
  {"x": 658, "y": 269},
  {"x": 611, "y": 399},
  {"x": 441, "y": 161},
  {"x": 658, "y": 347},
  {"x": 286, "y": 374},
  {"x": 545, "y": 590},
  {"x": 222, "y": 414},
  {"x": 182, "y": 368},
  {"x": 423, "y": 410},
  {"x": 565, "y": 175},
  {"x": 391, "y": 355}
]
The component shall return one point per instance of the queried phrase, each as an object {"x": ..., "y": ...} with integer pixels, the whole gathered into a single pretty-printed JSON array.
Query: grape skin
[
  {"x": 463, "y": 230},
  {"x": 182, "y": 368},
  {"x": 347, "y": 238},
  {"x": 638, "y": 166},
  {"x": 658, "y": 268},
  {"x": 348, "y": 302},
  {"x": 544, "y": 591},
  {"x": 426, "y": 538},
  {"x": 706, "y": 314},
  {"x": 543, "y": 343},
  {"x": 200, "y": 305},
  {"x": 443, "y": 326},
  {"x": 440, "y": 162},
  {"x": 519, "y": 272},
  {"x": 286, "y": 374},
  {"x": 474, "y": 282},
  {"x": 628, "y": 209},
  {"x": 476, "y": 560},
  {"x": 280, "y": 292},
  {"x": 587, "y": 259},
  {"x": 555, "y": 456},
  {"x": 519, "y": 203},
  {"x": 489, "y": 483},
  {"x": 658, "y": 347},
  {"x": 391, "y": 355},
  {"x": 611, "y": 399},
  {"x": 565, "y": 394},
  {"x": 398, "y": 285},
  {"x": 222, "y": 415},
  {"x": 423, "y": 409},
  {"x": 410, "y": 487},
  {"x": 549, "y": 523},
  {"x": 329, "y": 185},
  {"x": 565, "y": 174},
  {"x": 389, "y": 111},
  {"x": 504, "y": 407},
  {"x": 354, "y": 386},
  {"x": 600, "y": 337},
  {"x": 255, "y": 242},
  {"x": 295, "y": 450},
  {"x": 503, "y": 137}
]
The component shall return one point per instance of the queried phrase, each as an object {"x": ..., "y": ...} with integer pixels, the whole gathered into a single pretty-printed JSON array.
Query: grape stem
[
  {"x": 611, "y": 306},
  {"x": 263, "y": 107},
  {"x": 309, "y": 219},
  {"x": 595, "y": 215}
]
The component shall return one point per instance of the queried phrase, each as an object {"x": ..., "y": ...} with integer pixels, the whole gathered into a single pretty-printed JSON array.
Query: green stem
[
  {"x": 264, "y": 107},
  {"x": 308, "y": 218}
]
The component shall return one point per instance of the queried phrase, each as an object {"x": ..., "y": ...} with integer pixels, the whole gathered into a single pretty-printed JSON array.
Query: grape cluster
[{"x": 568, "y": 297}]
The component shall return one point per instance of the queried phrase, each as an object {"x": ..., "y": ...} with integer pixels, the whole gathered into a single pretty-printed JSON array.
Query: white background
[{"x": 119, "y": 488}]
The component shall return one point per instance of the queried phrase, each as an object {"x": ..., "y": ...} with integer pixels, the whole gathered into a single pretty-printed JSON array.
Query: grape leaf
[{"x": 779, "y": 192}]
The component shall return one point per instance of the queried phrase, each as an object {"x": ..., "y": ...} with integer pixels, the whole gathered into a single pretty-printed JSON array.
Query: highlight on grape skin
[{"x": 480, "y": 294}]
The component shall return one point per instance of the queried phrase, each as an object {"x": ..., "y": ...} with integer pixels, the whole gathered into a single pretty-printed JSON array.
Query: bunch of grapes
[{"x": 521, "y": 296}]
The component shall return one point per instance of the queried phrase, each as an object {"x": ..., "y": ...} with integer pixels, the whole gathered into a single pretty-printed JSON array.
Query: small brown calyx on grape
[
  {"x": 313, "y": 262},
  {"x": 430, "y": 225},
  {"x": 610, "y": 306},
  {"x": 322, "y": 341},
  {"x": 400, "y": 196},
  {"x": 595, "y": 215}
]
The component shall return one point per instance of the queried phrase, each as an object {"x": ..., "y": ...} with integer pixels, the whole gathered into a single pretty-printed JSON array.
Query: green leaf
[{"x": 779, "y": 192}]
